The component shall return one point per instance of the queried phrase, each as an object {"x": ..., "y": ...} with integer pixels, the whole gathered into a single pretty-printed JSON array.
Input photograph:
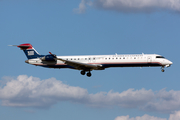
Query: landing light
[{"x": 168, "y": 65}]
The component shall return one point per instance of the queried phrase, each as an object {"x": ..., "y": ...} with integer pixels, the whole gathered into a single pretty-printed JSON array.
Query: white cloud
[
  {"x": 165, "y": 101},
  {"x": 133, "y": 6},
  {"x": 144, "y": 117},
  {"x": 82, "y": 6},
  {"x": 129, "y": 99},
  {"x": 30, "y": 91},
  {"x": 174, "y": 116}
]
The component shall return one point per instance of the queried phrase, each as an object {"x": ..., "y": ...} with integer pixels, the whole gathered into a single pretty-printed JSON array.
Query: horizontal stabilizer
[
  {"x": 13, "y": 45},
  {"x": 29, "y": 51},
  {"x": 25, "y": 46}
]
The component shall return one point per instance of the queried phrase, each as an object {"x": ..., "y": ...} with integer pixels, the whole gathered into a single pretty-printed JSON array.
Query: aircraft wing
[{"x": 81, "y": 66}]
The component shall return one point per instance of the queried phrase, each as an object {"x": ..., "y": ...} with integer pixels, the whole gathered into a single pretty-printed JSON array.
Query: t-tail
[{"x": 30, "y": 52}]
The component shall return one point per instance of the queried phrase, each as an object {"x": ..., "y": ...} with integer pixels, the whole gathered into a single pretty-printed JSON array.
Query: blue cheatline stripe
[
  {"x": 106, "y": 65},
  {"x": 131, "y": 65},
  {"x": 57, "y": 66}
]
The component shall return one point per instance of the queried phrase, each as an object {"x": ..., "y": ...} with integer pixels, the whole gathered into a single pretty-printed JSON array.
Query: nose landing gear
[{"x": 162, "y": 69}]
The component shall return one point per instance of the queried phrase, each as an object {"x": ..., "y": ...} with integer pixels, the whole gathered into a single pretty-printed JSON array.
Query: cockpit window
[{"x": 160, "y": 57}]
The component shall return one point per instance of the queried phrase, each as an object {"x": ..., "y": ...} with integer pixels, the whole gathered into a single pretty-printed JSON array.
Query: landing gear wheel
[
  {"x": 162, "y": 70},
  {"x": 89, "y": 74},
  {"x": 83, "y": 72}
]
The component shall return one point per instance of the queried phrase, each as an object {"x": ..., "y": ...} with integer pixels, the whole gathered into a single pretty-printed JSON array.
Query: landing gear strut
[{"x": 162, "y": 69}]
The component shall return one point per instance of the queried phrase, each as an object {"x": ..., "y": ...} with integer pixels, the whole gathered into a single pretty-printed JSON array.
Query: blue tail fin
[{"x": 30, "y": 52}]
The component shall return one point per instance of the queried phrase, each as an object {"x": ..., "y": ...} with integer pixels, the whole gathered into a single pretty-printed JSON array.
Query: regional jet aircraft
[{"x": 87, "y": 63}]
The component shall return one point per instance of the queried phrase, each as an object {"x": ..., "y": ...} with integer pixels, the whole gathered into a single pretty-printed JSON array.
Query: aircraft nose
[{"x": 169, "y": 63}]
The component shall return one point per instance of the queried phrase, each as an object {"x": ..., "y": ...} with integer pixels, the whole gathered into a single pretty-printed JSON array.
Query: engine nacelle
[{"x": 48, "y": 58}]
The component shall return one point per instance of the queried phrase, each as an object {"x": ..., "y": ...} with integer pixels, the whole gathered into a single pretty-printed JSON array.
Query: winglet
[{"x": 52, "y": 54}]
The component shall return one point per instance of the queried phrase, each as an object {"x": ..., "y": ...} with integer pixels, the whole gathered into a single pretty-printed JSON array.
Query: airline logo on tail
[{"x": 30, "y": 52}]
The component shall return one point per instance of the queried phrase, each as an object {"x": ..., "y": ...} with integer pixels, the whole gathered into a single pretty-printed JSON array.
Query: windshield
[{"x": 160, "y": 57}]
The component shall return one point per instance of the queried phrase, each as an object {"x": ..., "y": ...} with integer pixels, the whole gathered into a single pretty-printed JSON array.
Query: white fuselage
[
  {"x": 87, "y": 63},
  {"x": 105, "y": 61}
]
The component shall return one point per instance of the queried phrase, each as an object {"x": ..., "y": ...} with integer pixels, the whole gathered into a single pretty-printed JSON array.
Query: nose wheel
[{"x": 84, "y": 72}]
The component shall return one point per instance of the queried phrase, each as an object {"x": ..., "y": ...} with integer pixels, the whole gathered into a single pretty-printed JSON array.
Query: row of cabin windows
[
  {"x": 125, "y": 58},
  {"x": 80, "y": 59},
  {"x": 105, "y": 58}
]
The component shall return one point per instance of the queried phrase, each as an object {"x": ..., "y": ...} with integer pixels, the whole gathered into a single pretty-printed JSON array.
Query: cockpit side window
[{"x": 160, "y": 57}]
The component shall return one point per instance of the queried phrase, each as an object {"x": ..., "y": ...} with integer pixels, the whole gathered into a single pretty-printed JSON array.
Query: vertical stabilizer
[{"x": 30, "y": 52}]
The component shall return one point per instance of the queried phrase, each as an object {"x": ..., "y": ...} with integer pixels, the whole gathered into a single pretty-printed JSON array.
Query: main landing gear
[{"x": 84, "y": 72}]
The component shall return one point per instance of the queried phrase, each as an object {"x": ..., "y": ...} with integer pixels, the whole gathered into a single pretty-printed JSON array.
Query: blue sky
[{"x": 85, "y": 27}]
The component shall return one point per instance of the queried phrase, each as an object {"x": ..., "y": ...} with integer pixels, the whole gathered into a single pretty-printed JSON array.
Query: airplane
[{"x": 87, "y": 63}]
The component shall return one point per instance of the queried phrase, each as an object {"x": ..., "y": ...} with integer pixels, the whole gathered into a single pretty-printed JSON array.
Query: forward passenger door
[{"x": 149, "y": 59}]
